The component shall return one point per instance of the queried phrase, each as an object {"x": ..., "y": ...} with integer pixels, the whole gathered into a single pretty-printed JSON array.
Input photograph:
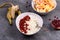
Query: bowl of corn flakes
[{"x": 44, "y": 6}]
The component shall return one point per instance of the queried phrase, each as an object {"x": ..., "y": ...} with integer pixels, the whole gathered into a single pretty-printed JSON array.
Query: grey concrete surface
[{"x": 8, "y": 32}]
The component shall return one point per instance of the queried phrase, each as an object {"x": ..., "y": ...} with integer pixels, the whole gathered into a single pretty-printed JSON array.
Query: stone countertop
[{"x": 8, "y": 32}]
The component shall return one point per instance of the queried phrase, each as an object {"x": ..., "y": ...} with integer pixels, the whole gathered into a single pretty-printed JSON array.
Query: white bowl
[
  {"x": 39, "y": 20},
  {"x": 43, "y": 13}
]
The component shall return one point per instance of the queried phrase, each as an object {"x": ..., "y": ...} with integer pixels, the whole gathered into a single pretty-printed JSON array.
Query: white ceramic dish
[
  {"x": 43, "y": 13},
  {"x": 39, "y": 20}
]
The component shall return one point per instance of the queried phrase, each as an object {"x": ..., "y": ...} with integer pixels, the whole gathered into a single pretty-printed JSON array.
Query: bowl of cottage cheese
[{"x": 29, "y": 23}]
